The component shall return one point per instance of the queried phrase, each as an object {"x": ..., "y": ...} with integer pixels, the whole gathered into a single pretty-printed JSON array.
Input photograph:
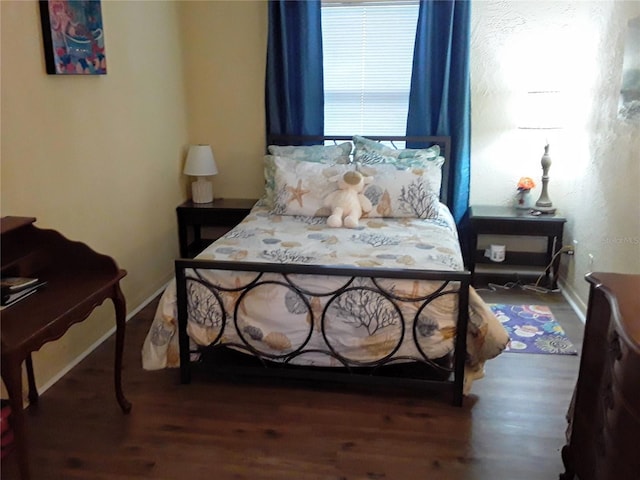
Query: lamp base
[
  {"x": 544, "y": 205},
  {"x": 201, "y": 191},
  {"x": 544, "y": 210}
]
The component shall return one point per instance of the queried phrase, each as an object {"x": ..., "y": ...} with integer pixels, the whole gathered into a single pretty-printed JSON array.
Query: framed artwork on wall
[
  {"x": 73, "y": 37},
  {"x": 629, "y": 104}
]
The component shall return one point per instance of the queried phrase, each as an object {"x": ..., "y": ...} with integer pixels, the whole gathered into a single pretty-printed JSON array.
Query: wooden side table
[
  {"x": 221, "y": 215},
  {"x": 499, "y": 220},
  {"x": 78, "y": 280}
]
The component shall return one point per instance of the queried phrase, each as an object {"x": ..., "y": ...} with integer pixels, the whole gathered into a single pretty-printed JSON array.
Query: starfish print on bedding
[{"x": 297, "y": 193}]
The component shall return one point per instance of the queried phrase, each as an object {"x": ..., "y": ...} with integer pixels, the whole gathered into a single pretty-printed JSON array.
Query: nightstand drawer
[
  {"x": 217, "y": 217},
  {"x": 200, "y": 224},
  {"x": 519, "y": 225},
  {"x": 517, "y": 265}
]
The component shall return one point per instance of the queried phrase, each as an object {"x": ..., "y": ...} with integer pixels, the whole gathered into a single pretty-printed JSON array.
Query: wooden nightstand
[
  {"x": 498, "y": 220},
  {"x": 221, "y": 215}
]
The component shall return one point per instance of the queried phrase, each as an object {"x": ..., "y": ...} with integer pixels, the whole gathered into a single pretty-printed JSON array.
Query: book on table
[
  {"x": 14, "y": 289},
  {"x": 14, "y": 284}
]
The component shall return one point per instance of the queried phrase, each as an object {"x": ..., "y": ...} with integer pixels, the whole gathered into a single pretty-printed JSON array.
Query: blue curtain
[
  {"x": 294, "y": 92},
  {"x": 439, "y": 102}
]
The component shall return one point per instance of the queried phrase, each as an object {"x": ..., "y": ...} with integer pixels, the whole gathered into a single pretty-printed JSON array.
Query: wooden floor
[{"x": 511, "y": 427}]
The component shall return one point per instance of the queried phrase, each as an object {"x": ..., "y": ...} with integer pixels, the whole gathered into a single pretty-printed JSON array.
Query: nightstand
[
  {"x": 219, "y": 216},
  {"x": 498, "y": 220}
]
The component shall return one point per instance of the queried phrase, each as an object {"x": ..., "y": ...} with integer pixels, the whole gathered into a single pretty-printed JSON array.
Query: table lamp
[
  {"x": 542, "y": 111},
  {"x": 200, "y": 163}
]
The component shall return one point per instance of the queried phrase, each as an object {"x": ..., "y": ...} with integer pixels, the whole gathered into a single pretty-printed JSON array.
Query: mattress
[{"x": 360, "y": 325}]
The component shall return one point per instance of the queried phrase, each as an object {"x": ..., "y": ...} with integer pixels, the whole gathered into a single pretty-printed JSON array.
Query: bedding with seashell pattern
[{"x": 361, "y": 325}]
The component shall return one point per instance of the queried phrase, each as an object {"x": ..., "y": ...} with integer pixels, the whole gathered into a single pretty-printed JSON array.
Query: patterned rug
[{"x": 532, "y": 329}]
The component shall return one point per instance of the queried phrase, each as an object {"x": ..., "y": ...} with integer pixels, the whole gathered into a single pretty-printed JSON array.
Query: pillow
[
  {"x": 299, "y": 187},
  {"x": 269, "y": 180},
  {"x": 413, "y": 192},
  {"x": 314, "y": 153},
  {"x": 370, "y": 152}
]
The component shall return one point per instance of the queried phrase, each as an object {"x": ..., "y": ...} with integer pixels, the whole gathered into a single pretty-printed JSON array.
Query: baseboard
[
  {"x": 98, "y": 342},
  {"x": 576, "y": 303}
]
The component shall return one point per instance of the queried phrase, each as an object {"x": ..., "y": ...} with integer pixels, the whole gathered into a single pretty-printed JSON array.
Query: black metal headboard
[{"x": 424, "y": 141}]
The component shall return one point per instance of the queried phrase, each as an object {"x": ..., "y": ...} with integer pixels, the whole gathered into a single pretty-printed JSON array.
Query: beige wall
[
  {"x": 98, "y": 158},
  {"x": 225, "y": 60}
]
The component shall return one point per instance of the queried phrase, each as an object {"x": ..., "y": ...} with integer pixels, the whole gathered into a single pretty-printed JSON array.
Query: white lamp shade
[
  {"x": 543, "y": 110},
  {"x": 200, "y": 161}
]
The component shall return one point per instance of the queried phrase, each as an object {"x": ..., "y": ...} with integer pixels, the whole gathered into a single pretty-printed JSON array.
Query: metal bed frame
[{"x": 449, "y": 374}]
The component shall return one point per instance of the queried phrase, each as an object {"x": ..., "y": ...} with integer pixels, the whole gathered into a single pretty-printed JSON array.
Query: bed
[{"x": 283, "y": 294}]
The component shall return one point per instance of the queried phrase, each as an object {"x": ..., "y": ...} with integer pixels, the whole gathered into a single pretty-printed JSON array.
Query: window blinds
[{"x": 368, "y": 55}]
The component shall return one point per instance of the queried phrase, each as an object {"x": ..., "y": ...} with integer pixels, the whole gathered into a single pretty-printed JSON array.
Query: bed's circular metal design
[
  {"x": 317, "y": 294},
  {"x": 243, "y": 336},
  {"x": 193, "y": 310},
  {"x": 416, "y": 321},
  {"x": 198, "y": 274},
  {"x": 399, "y": 322},
  {"x": 407, "y": 298}
]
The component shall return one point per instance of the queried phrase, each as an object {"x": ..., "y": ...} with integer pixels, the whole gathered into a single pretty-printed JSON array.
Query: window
[{"x": 368, "y": 55}]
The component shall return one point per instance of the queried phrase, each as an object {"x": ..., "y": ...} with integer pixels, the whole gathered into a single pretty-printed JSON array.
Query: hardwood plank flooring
[{"x": 511, "y": 426}]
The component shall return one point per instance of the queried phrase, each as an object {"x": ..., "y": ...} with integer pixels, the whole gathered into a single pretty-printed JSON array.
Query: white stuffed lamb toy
[{"x": 348, "y": 202}]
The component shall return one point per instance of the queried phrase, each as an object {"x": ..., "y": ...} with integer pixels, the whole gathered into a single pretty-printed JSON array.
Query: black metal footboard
[{"x": 189, "y": 277}]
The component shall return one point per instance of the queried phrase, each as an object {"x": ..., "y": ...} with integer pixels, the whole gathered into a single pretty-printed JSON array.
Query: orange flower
[{"x": 526, "y": 183}]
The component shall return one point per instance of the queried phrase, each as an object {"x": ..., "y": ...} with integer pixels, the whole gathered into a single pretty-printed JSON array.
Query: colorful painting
[{"x": 73, "y": 37}]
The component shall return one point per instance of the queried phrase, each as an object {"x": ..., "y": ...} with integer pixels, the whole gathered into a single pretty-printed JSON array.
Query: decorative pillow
[
  {"x": 330, "y": 154},
  {"x": 269, "y": 180},
  {"x": 299, "y": 187},
  {"x": 314, "y": 153},
  {"x": 370, "y": 152},
  {"x": 413, "y": 192}
]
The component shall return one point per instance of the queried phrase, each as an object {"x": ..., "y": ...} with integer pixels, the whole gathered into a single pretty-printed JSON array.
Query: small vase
[{"x": 523, "y": 199}]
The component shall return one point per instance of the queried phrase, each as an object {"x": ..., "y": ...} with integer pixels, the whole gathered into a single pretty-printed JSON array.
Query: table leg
[
  {"x": 33, "y": 390},
  {"x": 12, "y": 376},
  {"x": 550, "y": 252},
  {"x": 471, "y": 251},
  {"x": 183, "y": 237},
  {"x": 121, "y": 316},
  {"x": 556, "y": 263},
  {"x": 197, "y": 236}
]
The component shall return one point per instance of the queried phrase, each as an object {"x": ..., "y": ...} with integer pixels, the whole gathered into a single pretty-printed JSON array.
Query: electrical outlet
[{"x": 569, "y": 250}]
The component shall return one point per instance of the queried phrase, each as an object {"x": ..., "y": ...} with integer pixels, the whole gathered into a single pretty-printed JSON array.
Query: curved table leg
[
  {"x": 12, "y": 376},
  {"x": 119, "y": 303},
  {"x": 33, "y": 390}
]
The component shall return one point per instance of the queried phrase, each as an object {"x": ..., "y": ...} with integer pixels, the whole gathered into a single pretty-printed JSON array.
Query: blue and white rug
[{"x": 533, "y": 329}]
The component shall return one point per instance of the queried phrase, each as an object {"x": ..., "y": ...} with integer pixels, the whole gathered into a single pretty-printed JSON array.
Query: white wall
[{"x": 576, "y": 48}]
